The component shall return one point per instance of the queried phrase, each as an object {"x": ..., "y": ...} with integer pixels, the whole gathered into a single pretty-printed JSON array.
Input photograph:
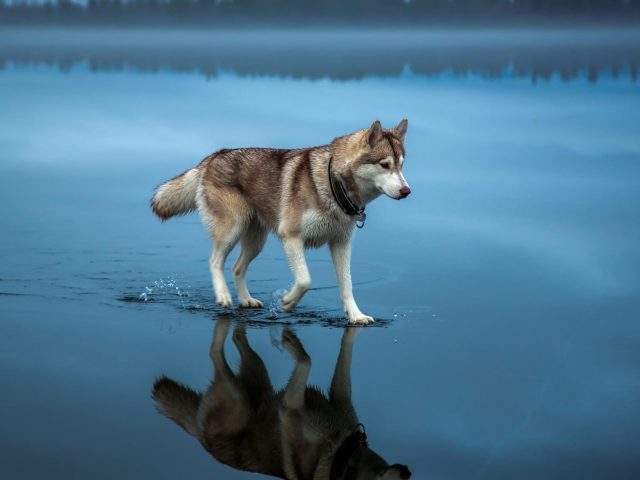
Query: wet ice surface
[{"x": 506, "y": 285}]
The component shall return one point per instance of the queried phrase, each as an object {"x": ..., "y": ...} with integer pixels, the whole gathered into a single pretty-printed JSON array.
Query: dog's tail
[
  {"x": 178, "y": 195},
  {"x": 177, "y": 402}
]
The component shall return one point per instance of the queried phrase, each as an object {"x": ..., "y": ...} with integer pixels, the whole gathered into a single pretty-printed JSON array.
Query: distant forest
[{"x": 305, "y": 13}]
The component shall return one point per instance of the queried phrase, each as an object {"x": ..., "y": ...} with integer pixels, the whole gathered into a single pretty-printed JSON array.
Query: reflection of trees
[
  {"x": 297, "y": 57},
  {"x": 292, "y": 12}
]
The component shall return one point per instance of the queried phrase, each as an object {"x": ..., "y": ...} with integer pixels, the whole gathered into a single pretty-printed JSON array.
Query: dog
[
  {"x": 297, "y": 433},
  {"x": 308, "y": 197}
]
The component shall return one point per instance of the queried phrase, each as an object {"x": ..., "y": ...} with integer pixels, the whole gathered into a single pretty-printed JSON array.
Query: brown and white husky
[
  {"x": 297, "y": 433},
  {"x": 307, "y": 197}
]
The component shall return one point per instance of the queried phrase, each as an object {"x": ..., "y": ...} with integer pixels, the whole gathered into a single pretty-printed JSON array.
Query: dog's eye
[{"x": 385, "y": 165}]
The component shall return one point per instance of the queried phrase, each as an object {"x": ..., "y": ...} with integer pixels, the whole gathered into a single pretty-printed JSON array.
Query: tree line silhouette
[{"x": 303, "y": 13}]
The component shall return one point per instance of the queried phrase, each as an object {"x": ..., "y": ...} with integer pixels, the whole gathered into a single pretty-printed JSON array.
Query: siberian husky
[
  {"x": 307, "y": 197},
  {"x": 298, "y": 433}
]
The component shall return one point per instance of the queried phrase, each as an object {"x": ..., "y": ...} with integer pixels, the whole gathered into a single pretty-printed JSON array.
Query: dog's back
[{"x": 248, "y": 179}]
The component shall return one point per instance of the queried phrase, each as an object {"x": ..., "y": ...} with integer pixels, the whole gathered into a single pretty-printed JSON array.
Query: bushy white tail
[{"x": 178, "y": 195}]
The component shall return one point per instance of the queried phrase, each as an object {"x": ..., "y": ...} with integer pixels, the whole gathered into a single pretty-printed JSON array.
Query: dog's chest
[{"x": 318, "y": 229}]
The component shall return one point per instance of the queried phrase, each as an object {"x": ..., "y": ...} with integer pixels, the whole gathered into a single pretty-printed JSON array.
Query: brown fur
[{"x": 243, "y": 193}]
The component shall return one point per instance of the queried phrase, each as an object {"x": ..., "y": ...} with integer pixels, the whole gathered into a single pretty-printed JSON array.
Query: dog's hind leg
[
  {"x": 251, "y": 243},
  {"x": 223, "y": 243},
  {"x": 253, "y": 375},
  {"x": 295, "y": 390},
  {"x": 224, "y": 409},
  {"x": 216, "y": 351},
  {"x": 226, "y": 216}
]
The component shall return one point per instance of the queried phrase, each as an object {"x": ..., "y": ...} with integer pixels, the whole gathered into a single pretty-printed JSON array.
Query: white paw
[
  {"x": 224, "y": 299},
  {"x": 250, "y": 303},
  {"x": 289, "y": 301},
  {"x": 360, "y": 319}
]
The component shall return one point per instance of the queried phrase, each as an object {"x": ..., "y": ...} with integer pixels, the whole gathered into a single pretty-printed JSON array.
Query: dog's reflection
[{"x": 297, "y": 433}]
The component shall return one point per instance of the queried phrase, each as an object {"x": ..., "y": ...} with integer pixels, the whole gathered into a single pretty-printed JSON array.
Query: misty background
[{"x": 338, "y": 39}]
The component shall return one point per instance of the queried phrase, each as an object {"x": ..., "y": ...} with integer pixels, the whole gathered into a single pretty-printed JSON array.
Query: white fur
[
  {"x": 318, "y": 229},
  {"x": 221, "y": 250},
  {"x": 315, "y": 227},
  {"x": 220, "y": 253},
  {"x": 177, "y": 195},
  {"x": 294, "y": 248},
  {"x": 341, "y": 255},
  {"x": 251, "y": 244},
  {"x": 206, "y": 218},
  {"x": 389, "y": 182}
]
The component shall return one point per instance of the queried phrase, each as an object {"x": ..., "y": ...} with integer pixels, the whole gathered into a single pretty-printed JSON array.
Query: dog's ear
[
  {"x": 374, "y": 134},
  {"x": 396, "y": 472},
  {"x": 400, "y": 130}
]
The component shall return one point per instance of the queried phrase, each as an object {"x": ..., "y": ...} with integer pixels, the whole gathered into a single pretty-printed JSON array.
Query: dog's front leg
[
  {"x": 340, "y": 390},
  {"x": 341, "y": 255},
  {"x": 294, "y": 248}
]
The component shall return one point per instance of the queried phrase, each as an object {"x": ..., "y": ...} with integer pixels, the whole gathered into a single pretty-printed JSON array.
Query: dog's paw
[
  {"x": 288, "y": 307},
  {"x": 219, "y": 334},
  {"x": 290, "y": 340},
  {"x": 360, "y": 319},
  {"x": 240, "y": 335},
  {"x": 289, "y": 301},
  {"x": 250, "y": 303},
  {"x": 293, "y": 345},
  {"x": 224, "y": 300},
  {"x": 350, "y": 334}
]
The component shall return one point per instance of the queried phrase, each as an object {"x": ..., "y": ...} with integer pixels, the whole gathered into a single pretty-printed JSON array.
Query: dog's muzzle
[{"x": 404, "y": 192}]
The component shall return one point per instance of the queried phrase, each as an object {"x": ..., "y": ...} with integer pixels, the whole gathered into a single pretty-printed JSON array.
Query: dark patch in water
[
  {"x": 249, "y": 318},
  {"x": 254, "y": 317},
  {"x": 18, "y": 294}
]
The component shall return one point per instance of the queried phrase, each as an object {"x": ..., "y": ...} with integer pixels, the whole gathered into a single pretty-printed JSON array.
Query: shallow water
[{"x": 506, "y": 286}]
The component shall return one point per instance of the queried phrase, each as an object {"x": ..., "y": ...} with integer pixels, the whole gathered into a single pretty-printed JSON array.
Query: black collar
[
  {"x": 343, "y": 200},
  {"x": 353, "y": 442}
]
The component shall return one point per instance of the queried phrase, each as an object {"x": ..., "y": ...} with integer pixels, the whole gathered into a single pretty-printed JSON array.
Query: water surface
[{"x": 506, "y": 286}]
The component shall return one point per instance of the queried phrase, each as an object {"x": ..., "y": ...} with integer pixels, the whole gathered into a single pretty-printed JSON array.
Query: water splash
[
  {"x": 275, "y": 304},
  {"x": 166, "y": 287},
  {"x": 275, "y": 335}
]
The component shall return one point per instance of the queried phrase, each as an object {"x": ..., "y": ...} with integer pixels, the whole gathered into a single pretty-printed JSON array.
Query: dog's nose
[{"x": 404, "y": 192}]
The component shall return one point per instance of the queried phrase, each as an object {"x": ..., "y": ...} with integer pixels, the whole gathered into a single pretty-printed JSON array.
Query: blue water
[{"x": 506, "y": 287}]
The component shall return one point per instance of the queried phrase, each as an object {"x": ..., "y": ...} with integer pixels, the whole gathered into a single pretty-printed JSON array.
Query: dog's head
[
  {"x": 373, "y": 158},
  {"x": 365, "y": 464}
]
